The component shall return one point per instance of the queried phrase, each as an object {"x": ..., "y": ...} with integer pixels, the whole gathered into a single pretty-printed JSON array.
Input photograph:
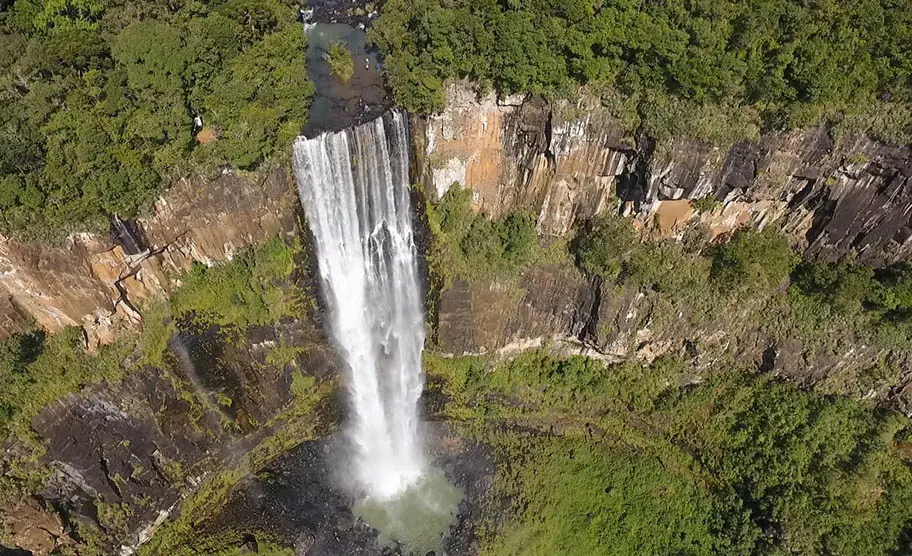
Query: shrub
[
  {"x": 668, "y": 269},
  {"x": 707, "y": 203},
  {"x": 740, "y": 463},
  {"x": 716, "y": 74},
  {"x": 36, "y": 369},
  {"x": 573, "y": 497},
  {"x": 340, "y": 61},
  {"x": 100, "y": 119},
  {"x": 753, "y": 259},
  {"x": 518, "y": 238},
  {"x": 894, "y": 291},
  {"x": 844, "y": 286},
  {"x": 245, "y": 292},
  {"x": 603, "y": 244},
  {"x": 473, "y": 246}
]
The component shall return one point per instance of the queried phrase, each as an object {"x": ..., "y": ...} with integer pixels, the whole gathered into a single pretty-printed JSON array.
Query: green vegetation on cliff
[
  {"x": 37, "y": 368},
  {"x": 823, "y": 303},
  {"x": 645, "y": 461},
  {"x": 97, "y": 101},
  {"x": 873, "y": 305},
  {"x": 727, "y": 459},
  {"x": 710, "y": 70},
  {"x": 250, "y": 290},
  {"x": 470, "y": 245}
]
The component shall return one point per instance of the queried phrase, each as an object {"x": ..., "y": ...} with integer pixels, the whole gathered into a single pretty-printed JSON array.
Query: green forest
[
  {"x": 717, "y": 71},
  {"x": 98, "y": 100},
  {"x": 99, "y": 97}
]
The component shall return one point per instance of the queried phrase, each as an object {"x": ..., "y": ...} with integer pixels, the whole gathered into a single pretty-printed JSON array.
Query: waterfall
[{"x": 354, "y": 188}]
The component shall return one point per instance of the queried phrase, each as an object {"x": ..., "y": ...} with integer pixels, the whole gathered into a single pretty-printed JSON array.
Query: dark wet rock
[
  {"x": 356, "y": 13},
  {"x": 486, "y": 315},
  {"x": 124, "y": 454},
  {"x": 250, "y": 544},
  {"x": 298, "y": 499},
  {"x": 303, "y": 543},
  {"x": 295, "y": 496},
  {"x": 129, "y": 234}
]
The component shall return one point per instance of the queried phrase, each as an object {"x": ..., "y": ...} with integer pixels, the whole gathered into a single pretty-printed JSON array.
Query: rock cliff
[
  {"x": 91, "y": 280},
  {"x": 569, "y": 160},
  {"x": 555, "y": 306},
  {"x": 119, "y": 457},
  {"x": 123, "y": 455},
  {"x": 111, "y": 462}
]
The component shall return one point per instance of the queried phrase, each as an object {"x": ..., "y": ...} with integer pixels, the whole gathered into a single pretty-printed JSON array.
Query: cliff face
[
  {"x": 566, "y": 161},
  {"x": 116, "y": 458},
  {"x": 122, "y": 455},
  {"x": 91, "y": 281},
  {"x": 119, "y": 457},
  {"x": 556, "y": 306}
]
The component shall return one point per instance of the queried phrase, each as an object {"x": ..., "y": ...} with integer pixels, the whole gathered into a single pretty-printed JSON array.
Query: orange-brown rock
[
  {"x": 89, "y": 280},
  {"x": 33, "y": 528},
  {"x": 571, "y": 159}
]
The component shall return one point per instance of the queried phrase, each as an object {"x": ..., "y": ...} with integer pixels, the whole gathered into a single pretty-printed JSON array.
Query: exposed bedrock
[
  {"x": 134, "y": 446},
  {"x": 120, "y": 457},
  {"x": 556, "y": 306},
  {"x": 569, "y": 159},
  {"x": 90, "y": 280}
]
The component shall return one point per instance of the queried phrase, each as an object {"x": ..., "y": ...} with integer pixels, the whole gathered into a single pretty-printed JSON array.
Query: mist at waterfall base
[{"x": 355, "y": 192}]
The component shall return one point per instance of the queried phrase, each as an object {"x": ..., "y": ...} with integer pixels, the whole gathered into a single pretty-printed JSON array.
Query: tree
[
  {"x": 97, "y": 101},
  {"x": 753, "y": 259},
  {"x": 340, "y": 61},
  {"x": 603, "y": 244}
]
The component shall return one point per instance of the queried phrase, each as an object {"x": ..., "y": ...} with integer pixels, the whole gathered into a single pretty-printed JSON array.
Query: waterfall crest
[{"x": 354, "y": 188}]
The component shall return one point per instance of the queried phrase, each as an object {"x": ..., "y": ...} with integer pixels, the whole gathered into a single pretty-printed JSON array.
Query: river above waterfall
[{"x": 341, "y": 104}]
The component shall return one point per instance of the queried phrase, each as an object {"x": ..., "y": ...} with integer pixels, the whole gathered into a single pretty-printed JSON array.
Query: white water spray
[{"x": 355, "y": 191}]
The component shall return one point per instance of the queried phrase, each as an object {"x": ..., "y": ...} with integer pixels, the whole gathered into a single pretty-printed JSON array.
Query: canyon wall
[
  {"x": 556, "y": 306},
  {"x": 91, "y": 280},
  {"x": 164, "y": 428},
  {"x": 113, "y": 461},
  {"x": 568, "y": 160}
]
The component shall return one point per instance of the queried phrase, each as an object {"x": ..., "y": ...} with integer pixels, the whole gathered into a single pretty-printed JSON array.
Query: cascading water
[{"x": 355, "y": 191}]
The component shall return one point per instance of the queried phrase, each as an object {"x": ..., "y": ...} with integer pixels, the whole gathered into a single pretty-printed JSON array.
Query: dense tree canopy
[
  {"x": 98, "y": 97},
  {"x": 704, "y": 68}
]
